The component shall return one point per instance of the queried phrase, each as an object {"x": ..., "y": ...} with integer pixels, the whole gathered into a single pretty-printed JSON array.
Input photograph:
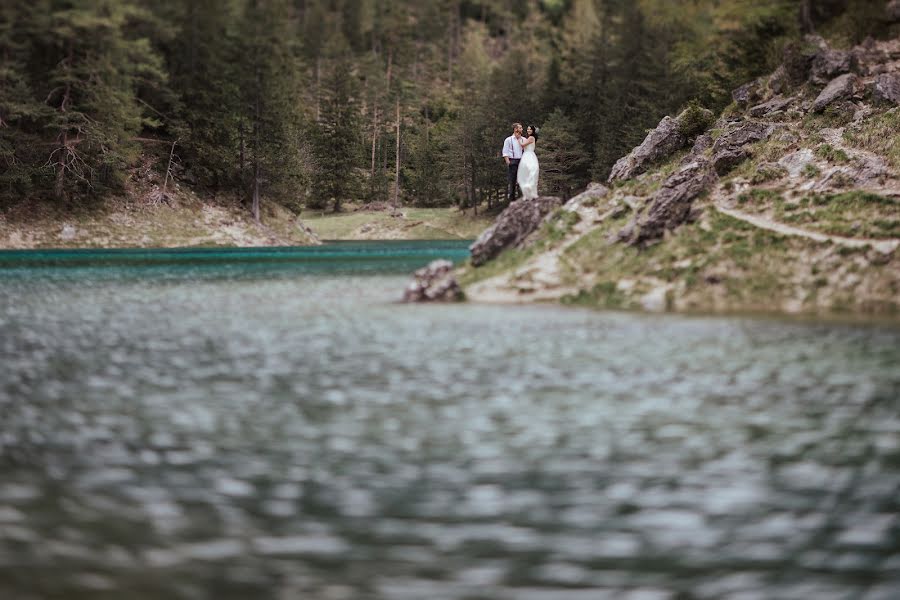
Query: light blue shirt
[{"x": 512, "y": 148}]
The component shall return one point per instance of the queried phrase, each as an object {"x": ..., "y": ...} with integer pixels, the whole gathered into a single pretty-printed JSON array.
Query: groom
[{"x": 512, "y": 154}]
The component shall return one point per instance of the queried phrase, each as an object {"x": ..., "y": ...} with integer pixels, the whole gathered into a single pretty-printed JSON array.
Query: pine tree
[
  {"x": 338, "y": 145},
  {"x": 267, "y": 76},
  {"x": 564, "y": 160},
  {"x": 87, "y": 62},
  {"x": 19, "y": 142}
]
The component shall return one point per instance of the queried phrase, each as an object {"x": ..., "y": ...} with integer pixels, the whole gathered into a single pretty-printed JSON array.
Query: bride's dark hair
[{"x": 534, "y": 131}]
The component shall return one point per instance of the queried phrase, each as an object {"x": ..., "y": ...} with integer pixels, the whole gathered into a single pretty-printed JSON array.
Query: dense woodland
[{"x": 312, "y": 103}]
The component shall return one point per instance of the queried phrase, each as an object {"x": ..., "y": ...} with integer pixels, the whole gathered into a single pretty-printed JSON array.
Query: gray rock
[
  {"x": 594, "y": 192},
  {"x": 434, "y": 283},
  {"x": 669, "y": 136},
  {"x": 780, "y": 81},
  {"x": 887, "y": 88},
  {"x": 68, "y": 233},
  {"x": 656, "y": 300},
  {"x": 798, "y": 59},
  {"x": 748, "y": 93},
  {"x": 892, "y": 11},
  {"x": 702, "y": 144},
  {"x": 828, "y": 64},
  {"x": 775, "y": 104},
  {"x": 512, "y": 226},
  {"x": 731, "y": 147},
  {"x": 659, "y": 143},
  {"x": 840, "y": 88},
  {"x": 671, "y": 205},
  {"x": 795, "y": 162}
]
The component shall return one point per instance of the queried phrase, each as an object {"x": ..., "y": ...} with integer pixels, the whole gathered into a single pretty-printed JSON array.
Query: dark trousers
[{"x": 512, "y": 173}]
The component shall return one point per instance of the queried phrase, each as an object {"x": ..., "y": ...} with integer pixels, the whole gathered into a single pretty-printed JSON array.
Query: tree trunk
[
  {"x": 60, "y": 186},
  {"x": 390, "y": 65},
  {"x": 374, "y": 139},
  {"x": 806, "y": 22},
  {"x": 241, "y": 136},
  {"x": 169, "y": 169},
  {"x": 256, "y": 126},
  {"x": 397, "y": 166},
  {"x": 318, "y": 89}
]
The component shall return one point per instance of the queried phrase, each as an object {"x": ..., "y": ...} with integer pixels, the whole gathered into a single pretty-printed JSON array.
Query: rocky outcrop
[
  {"x": 776, "y": 104},
  {"x": 594, "y": 192},
  {"x": 887, "y": 88},
  {"x": 747, "y": 94},
  {"x": 828, "y": 64},
  {"x": 732, "y": 146},
  {"x": 659, "y": 143},
  {"x": 512, "y": 226},
  {"x": 671, "y": 205},
  {"x": 668, "y": 137},
  {"x": 434, "y": 283},
  {"x": 841, "y": 88}
]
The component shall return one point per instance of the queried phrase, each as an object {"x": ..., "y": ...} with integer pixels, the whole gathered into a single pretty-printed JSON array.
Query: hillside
[{"x": 788, "y": 202}]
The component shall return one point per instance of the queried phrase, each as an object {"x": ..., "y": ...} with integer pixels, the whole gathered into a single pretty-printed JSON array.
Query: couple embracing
[{"x": 521, "y": 162}]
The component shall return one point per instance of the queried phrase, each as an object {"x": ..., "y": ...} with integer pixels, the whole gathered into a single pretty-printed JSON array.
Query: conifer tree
[
  {"x": 564, "y": 160},
  {"x": 338, "y": 144}
]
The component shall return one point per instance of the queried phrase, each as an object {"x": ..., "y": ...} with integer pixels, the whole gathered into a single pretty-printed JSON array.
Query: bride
[{"x": 527, "y": 177}]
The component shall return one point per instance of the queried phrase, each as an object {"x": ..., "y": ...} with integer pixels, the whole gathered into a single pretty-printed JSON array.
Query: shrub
[{"x": 694, "y": 120}]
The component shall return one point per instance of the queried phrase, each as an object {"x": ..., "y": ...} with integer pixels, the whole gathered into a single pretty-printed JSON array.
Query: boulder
[
  {"x": 659, "y": 143},
  {"x": 828, "y": 64},
  {"x": 887, "y": 88},
  {"x": 892, "y": 11},
  {"x": 512, "y": 226},
  {"x": 594, "y": 192},
  {"x": 702, "y": 144},
  {"x": 731, "y": 147},
  {"x": 774, "y": 105},
  {"x": 798, "y": 60},
  {"x": 669, "y": 136},
  {"x": 434, "y": 283},
  {"x": 671, "y": 205},
  {"x": 748, "y": 93},
  {"x": 840, "y": 88}
]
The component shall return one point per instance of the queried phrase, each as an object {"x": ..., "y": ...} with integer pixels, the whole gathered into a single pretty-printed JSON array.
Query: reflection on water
[{"x": 276, "y": 428}]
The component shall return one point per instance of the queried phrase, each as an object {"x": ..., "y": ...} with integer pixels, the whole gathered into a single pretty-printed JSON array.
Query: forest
[{"x": 313, "y": 103}]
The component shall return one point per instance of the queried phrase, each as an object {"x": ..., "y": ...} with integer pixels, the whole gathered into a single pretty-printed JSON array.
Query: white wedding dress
[{"x": 527, "y": 177}]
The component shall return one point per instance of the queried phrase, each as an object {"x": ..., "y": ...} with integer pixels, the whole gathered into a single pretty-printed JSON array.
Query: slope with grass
[{"x": 796, "y": 209}]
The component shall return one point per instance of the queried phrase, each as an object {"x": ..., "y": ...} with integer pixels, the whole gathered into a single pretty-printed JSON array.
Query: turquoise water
[{"x": 273, "y": 424}]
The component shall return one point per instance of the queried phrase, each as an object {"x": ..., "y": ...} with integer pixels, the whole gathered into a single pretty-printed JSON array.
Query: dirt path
[{"x": 883, "y": 246}]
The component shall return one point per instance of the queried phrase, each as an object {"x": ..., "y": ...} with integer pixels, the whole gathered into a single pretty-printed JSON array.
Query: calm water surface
[{"x": 270, "y": 424}]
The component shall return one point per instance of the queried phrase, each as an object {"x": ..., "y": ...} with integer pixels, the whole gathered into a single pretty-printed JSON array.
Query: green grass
[
  {"x": 879, "y": 134},
  {"x": 832, "y": 117},
  {"x": 752, "y": 264},
  {"x": 417, "y": 223},
  {"x": 768, "y": 172},
  {"x": 850, "y": 214},
  {"x": 604, "y": 294},
  {"x": 832, "y": 154},
  {"x": 759, "y": 197}
]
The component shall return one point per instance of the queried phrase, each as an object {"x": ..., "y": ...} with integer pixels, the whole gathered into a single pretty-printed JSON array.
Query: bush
[{"x": 694, "y": 120}]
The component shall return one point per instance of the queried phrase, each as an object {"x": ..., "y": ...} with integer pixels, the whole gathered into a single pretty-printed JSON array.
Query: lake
[{"x": 271, "y": 423}]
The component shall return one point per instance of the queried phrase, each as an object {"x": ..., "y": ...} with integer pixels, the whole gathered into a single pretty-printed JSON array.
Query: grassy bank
[{"x": 403, "y": 224}]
